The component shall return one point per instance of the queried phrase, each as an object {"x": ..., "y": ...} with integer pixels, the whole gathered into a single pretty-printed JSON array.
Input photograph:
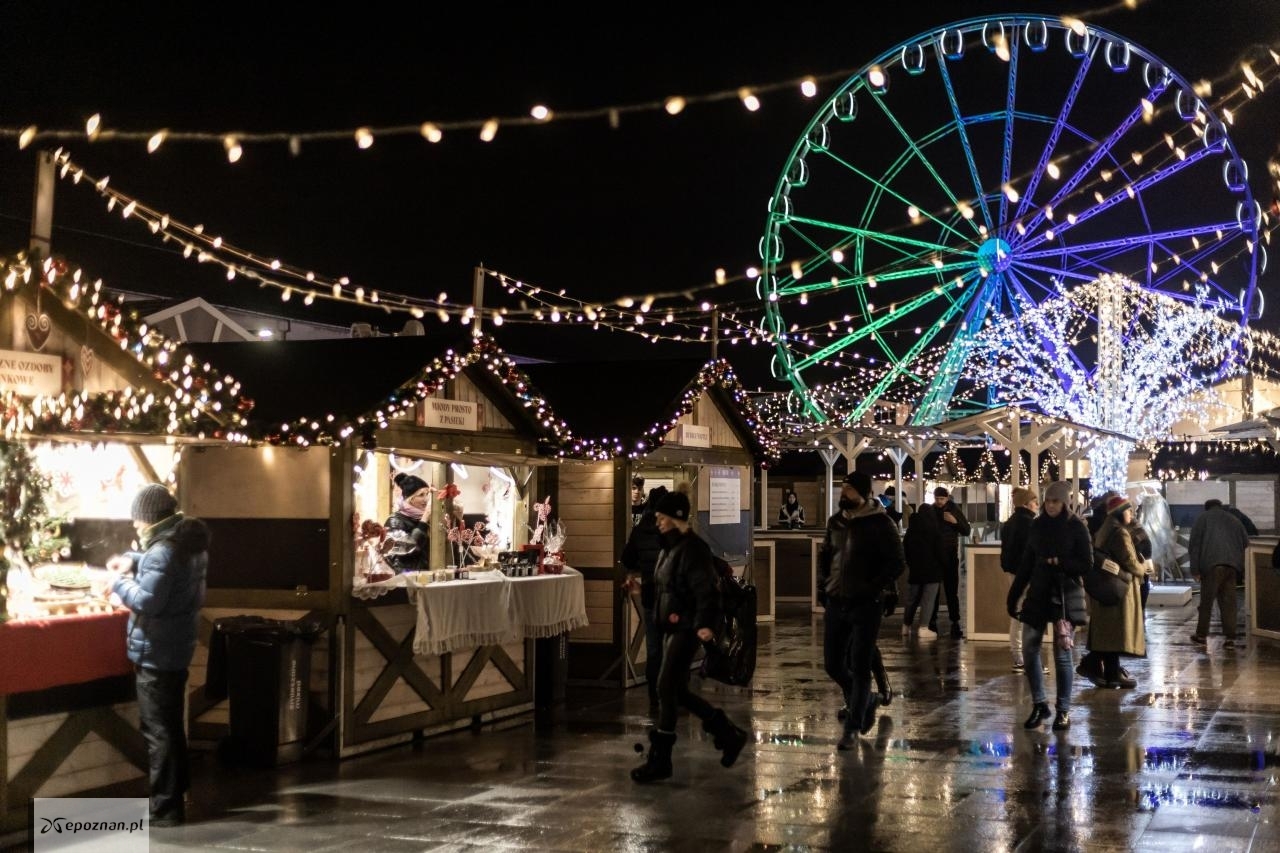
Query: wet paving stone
[{"x": 1189, "y": 760}]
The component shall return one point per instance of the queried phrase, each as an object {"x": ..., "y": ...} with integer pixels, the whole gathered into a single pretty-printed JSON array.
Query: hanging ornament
[
  {"x": 88, "y": 360},
  {"x": 38, "y": 326}
]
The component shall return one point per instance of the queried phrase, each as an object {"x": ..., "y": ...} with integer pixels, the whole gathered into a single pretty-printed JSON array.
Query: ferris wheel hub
[{"x": 995, "y": 255}]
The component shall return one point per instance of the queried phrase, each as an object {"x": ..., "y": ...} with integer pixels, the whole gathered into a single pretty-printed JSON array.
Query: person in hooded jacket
[
  {"x": 926, "y": 555},
  {"x": 1013, "y": 541},
  {"x": 860, "y": 560},
  {"x": 1057, "y": 555},
  {"x": 791, "y": 514},
  {"x": 639, "y": 558},
  {"x": 687, "y": 603},
  {"x": 408, "y": 541},
  {"x": 163, "y": 585}
]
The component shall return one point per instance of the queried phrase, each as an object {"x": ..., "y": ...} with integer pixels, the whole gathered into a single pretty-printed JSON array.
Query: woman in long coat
[
  {"x": 926, "y": 554},
  {"x": 1119, "y": 629}
]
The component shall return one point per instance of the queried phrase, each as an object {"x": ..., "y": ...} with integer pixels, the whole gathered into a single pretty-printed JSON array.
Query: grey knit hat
[
  {"x": 153, "y": 503},
  {"x": 1058, "y": 490}
]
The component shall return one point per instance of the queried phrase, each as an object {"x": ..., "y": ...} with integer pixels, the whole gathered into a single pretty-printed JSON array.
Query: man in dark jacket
[
  {"x": 861, "y": 557},
  {"x": 639, "y": 557},
  {"x": 1013, "y": 542},
  {"x": 163, "y": 586},
  {"x": 953, "y": 526},
  {"x": 1216, "y": 550},
  {"x": 687, "y": 604}
]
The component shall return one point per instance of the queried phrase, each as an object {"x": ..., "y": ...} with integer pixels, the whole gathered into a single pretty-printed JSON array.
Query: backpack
[{"x": 731, "y": 657}]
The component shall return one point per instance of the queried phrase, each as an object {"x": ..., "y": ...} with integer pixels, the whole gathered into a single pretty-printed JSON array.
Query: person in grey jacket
[
  {"x": 1217, "y": 546},
  {"x": 163, "y": 586}
]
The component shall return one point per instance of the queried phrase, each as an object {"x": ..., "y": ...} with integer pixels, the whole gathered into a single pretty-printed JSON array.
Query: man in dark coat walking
[
  {"x": 861, "y": 558},
  {"x": 953, "y": 525},
  {"x": 640, "y": 557},
  {"x": 1013, "y": 542}
]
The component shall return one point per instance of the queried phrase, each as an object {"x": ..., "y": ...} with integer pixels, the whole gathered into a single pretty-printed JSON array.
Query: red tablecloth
[{"x": 41, "y": 653}]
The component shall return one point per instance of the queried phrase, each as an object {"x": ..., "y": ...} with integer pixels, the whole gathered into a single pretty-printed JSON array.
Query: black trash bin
[
  {"x": 550, "y": 674},
  {"x": 265, "y": 671}
]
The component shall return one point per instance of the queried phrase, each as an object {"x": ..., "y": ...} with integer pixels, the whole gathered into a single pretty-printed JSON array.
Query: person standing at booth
[
  {"x": 408, "y": 543},
  {"x": 953, "y": 526},
  {"x": 640, "y": 558},
  {"x": 791, "y": 514},
  {"x": 687, "y": 601},
  {"x": 1217, "y": 548},
  {"x": 163, "y": 586}
]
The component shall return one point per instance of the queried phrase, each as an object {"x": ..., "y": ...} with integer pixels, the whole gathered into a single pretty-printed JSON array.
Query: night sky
[{"x": 656, "y": 204}]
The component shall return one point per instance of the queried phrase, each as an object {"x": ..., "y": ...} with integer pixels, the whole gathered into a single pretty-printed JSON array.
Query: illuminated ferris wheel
[{"x": 974, "y": 171}]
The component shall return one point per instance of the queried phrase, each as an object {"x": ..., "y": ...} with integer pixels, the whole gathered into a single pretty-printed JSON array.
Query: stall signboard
[
  {"x": 726, "y": 496},
  {"x": 450, "y": 414},
  {"x": 694, "y": 436},
  {"x": 30, "y": 374}
]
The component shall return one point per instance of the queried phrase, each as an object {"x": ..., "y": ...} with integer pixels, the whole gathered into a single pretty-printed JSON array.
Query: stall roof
[{"x": 613, "y": 408}]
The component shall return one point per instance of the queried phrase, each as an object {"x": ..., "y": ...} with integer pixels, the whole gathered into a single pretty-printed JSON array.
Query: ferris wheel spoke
[
  {"x": 1133, "y": 240},
  {"x": 879, "y": 277},
  {"x": 893, "y": 315},
  {"x": 915, "y": 148},
  {"x": 1103, "y": 150},
  {"x": 1208, "y": 278},
  {"x": 933, "y": 404},
  {"x": 1006, "y": 161},
  {"x": 898, "y": 368},
  {"x": 881, "y": 187},
  {"x": 1055, "y": 134},
  {"x": 966, "y": 145}
]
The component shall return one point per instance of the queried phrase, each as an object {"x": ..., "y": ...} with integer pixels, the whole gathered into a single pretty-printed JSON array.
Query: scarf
[{"x": 410, "y": 511}]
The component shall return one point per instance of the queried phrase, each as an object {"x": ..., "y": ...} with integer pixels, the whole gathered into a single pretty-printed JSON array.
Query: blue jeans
[
  {"x": 161, "y": 703},
  {"x": 1032, "y": 637},
  {"x": 848, "y": 649}
]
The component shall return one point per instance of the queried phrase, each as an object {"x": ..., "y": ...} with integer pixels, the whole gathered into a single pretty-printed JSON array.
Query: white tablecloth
[{"x": 489, "y": 609}]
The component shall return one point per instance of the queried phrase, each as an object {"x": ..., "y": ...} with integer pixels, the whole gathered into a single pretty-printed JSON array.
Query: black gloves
[{"x": 890, "y": 602}]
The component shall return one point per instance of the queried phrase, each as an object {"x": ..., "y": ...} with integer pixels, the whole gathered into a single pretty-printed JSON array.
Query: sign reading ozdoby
[
  {"x": 30, "y": 373},
  {"x": 450, "y": 414},
  {"x": 693, "y": 436}
]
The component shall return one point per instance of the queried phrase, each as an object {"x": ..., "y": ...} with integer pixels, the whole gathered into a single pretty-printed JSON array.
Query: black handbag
[
  {"x": 731, "y": 657},
  {"x": 1105, "y": 581}
]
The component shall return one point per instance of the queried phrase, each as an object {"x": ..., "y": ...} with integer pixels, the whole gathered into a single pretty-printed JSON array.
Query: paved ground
[{"x": 1187, "y": 761}]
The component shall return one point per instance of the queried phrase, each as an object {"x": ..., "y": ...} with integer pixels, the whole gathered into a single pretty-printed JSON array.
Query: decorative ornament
[
  {"x": 88, "y": 360},
  {"x": 38, "y": 326}
]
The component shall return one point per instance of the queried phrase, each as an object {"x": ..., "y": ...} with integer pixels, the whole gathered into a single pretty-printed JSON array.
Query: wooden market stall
[
  {"x": 332, "y": 421},
  {"x": 94, "y": 407},
  {"x": 673, "y": 422}
]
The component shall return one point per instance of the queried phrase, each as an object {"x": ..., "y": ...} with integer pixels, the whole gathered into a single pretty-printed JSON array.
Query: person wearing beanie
[
  {"x": 1047, "y": 588},
  {"x": 1013, "y": 541},
  {"x": 860, "y": 559},
  {"x": 1117, "y": 629},
  {"x": 163, "y": 585},
  {"x": 1217, "y": 553},
  {"x": 640, "y": 558},
  {"x": 406, "y": 547},
  {"x": 952, "y": 527},
  {"x": 687, "y": 605}
]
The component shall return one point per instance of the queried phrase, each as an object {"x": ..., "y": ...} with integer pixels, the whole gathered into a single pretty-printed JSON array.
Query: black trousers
[
  {"x": 848, "y": 655},
  {"x": 653, "y": 641},
  {"x": 673, "y": 681},
  {"x": 161, "y": 702},
  {"x": 951, "y": 589}
]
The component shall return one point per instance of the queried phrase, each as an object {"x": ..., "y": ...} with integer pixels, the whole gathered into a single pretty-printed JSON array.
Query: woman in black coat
[
  {"x": 1057, "y": 555},
  {"x": 926, "y": 554},
  {"x": 640, "y": 557}
]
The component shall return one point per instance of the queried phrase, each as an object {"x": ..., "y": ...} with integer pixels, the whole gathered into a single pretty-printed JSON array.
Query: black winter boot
[
  {"x": 657, "y": 764},
  {"x": 727, "y": 737}
]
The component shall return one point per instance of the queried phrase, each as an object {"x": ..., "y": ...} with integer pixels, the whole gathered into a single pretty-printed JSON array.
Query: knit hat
[
  {"x": 408, "y": 484},
  {"x": 153, "y": 503},
  {"x": 860, "y": 482},
  {"x": 1058, "y": 490},
  {"x": 1023, "y": 497},
  {"x": 674, "y": 505},
  {"x": 1117, "y": 505},
  {"x": 941, "y": 492}
]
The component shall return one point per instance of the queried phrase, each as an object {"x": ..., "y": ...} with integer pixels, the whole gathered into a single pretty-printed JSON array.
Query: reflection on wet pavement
[{"x": 1187, "y": 761}]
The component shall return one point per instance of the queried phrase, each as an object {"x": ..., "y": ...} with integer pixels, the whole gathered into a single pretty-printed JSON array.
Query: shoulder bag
[{"x": 1105, "y": 581}]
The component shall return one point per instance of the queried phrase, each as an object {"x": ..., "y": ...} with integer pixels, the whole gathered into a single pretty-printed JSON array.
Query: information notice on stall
[{"x": 726, "y": 496}]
